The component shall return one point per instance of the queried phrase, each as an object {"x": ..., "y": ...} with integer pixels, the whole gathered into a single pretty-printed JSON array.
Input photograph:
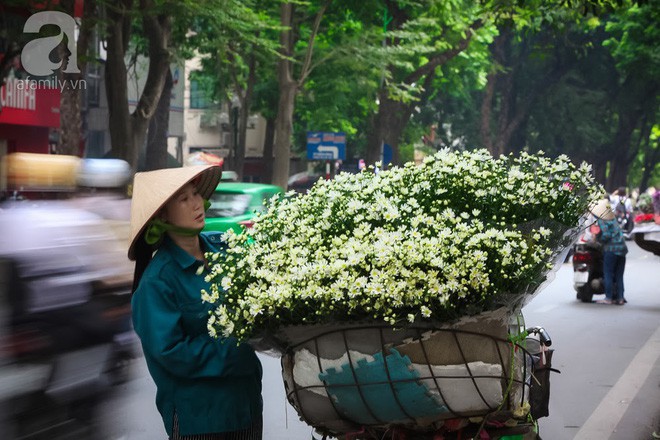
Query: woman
[
  {"x": 614, "y": 252},
  {"x": 206, "y": 388}
]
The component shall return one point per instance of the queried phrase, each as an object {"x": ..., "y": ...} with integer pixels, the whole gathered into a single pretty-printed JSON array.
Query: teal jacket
[
  {"x": 611, "y": 237},
  {"x": 214, "y": 385}
]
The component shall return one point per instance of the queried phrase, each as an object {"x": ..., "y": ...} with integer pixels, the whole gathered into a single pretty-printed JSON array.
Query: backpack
[{"x": 620, "y": 208}]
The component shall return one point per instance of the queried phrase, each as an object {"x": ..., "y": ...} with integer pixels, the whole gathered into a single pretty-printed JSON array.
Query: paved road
[{"x": 609, "y": 357}]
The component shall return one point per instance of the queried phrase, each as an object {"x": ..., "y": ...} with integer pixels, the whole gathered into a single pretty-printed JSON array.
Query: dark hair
[
  {"x": 143, "y": 254},
  {"x": 621, "y": 191}
]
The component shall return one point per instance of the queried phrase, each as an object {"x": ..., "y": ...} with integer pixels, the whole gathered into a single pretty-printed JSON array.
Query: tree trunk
[
  {"x": 71, "y": 125},
  {"x": 486, "y": 105},
  {"x": 239, "y": 159},
  {"x": 269, "y": 139},
  {"x": 650, "y": 154},
  {"x": 244, "y": 115},
  {"x": 390, "y": 121},
  {"x": 128, "y": 131},
  {"x": 283, "y": 133},
  {"x": 505, "y": 101},
  {"x": 70, "y": 114},
  {"x": 619, "y": 163},
  {"x": 289, "y": 87},
  {"x": 650, "y": 161},
  {"x": 392, "y": 117},
  {"x": 156, "y": 155},
  {"x": 288, "y": 90},
  {"x": 599, "y": 169},
  {"x": 116, "y": 84}
]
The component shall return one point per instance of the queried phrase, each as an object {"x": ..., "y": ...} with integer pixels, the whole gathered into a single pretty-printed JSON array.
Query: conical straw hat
[
  {"x": 603, "y": 210},
  {"x": 152, "y": 189}
]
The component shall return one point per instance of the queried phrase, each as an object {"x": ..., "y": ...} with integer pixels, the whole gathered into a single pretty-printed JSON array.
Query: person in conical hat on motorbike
[
  {"x": 611, "y": 237},
  {"x": 207, "y": 389}
]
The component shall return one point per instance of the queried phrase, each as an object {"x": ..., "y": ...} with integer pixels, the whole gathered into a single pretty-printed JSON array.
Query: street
[
  {"x": 599, "y": 350},
  {"x": 609, "y": 358}
]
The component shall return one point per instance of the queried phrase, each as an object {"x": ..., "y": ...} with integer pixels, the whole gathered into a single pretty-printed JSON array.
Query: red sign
[{"x": 29, "y": 102}]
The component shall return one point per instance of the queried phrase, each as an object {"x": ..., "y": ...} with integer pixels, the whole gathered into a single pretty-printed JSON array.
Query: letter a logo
[{"x": 35, "y": 54}]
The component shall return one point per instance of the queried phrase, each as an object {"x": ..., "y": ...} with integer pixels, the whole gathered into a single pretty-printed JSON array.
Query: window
[
  {"x": 228, "y": 205},
  {"x": 197, "y": 95}
]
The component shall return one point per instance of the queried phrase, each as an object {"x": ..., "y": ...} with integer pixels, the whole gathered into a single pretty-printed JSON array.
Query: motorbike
[
  {"x": 66, "y": 336},
  {"x": 588, "y": 270},
  {"x": 67, "y": 339}
]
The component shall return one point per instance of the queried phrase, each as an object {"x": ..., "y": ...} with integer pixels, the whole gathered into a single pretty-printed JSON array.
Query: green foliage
[
  {"x": 635, "y": 39},
  {"x": 339, "y": 94}
]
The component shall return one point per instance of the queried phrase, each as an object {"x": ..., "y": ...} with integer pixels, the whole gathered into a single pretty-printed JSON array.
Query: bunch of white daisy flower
[{"x": 451, "y": 237}]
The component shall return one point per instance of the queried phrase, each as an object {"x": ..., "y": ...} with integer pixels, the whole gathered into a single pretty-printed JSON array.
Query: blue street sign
[{"x": 326, "y": 146}]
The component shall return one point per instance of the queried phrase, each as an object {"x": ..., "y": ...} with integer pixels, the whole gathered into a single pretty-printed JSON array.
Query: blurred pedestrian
[
  {"x": 611, "y": 237},
  {"x": 622, "y": 208},
  {"x": 207, "y": 389}
]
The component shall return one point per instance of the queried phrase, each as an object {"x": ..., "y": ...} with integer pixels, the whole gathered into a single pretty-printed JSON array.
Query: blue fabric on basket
[{"x": 378, "y": 403}]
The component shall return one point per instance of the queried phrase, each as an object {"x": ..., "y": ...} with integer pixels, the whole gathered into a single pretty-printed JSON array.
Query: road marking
[{"x": 606, "y": 416}]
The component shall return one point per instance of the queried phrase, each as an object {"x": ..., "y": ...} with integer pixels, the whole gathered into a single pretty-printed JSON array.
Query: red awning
[{"x": 28, "y": 102}]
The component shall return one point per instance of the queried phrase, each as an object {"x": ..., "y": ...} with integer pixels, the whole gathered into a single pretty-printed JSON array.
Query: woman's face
[{"x": 185, "y": 209}]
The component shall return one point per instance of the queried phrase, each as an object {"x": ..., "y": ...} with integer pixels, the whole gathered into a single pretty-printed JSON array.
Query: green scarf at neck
[{"x": 158, "y": 227}]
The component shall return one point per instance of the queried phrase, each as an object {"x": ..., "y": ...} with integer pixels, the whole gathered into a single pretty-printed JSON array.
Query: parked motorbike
[{"x": 588, "y": 270}]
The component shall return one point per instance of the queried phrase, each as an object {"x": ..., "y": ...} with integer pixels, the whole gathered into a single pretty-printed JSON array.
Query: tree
[
  {"x": 128, "y": 130},
  {"x": 290, "y": 84},
  {"x": 71, "y": 95},
  {"x": 422, "y": 38},
  {"x": 527, "y": 67},
  {"x": 635, "y": 46},
  {"x": 235, "y": 42},
  {"x": 156, "y": 152}
]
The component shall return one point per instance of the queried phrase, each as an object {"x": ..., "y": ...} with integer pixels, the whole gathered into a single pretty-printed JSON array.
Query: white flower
[{"x": 404, "y": 244}]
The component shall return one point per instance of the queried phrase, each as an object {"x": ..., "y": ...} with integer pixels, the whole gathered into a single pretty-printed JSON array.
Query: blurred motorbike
[{"x": 66, "y": 334}]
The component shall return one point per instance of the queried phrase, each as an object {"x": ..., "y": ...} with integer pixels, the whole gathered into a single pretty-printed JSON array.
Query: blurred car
[
  {"x": 303, "y": 182},
  {"x": 233, "y": 203}
]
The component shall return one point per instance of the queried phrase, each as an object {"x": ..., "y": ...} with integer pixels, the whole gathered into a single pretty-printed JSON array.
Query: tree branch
[
  {"x": 157, "y": 30},
  {"x": 442, "y": 58},
  {"x": 306, "y": 66},
  {"x": 522, "y": 110}
]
